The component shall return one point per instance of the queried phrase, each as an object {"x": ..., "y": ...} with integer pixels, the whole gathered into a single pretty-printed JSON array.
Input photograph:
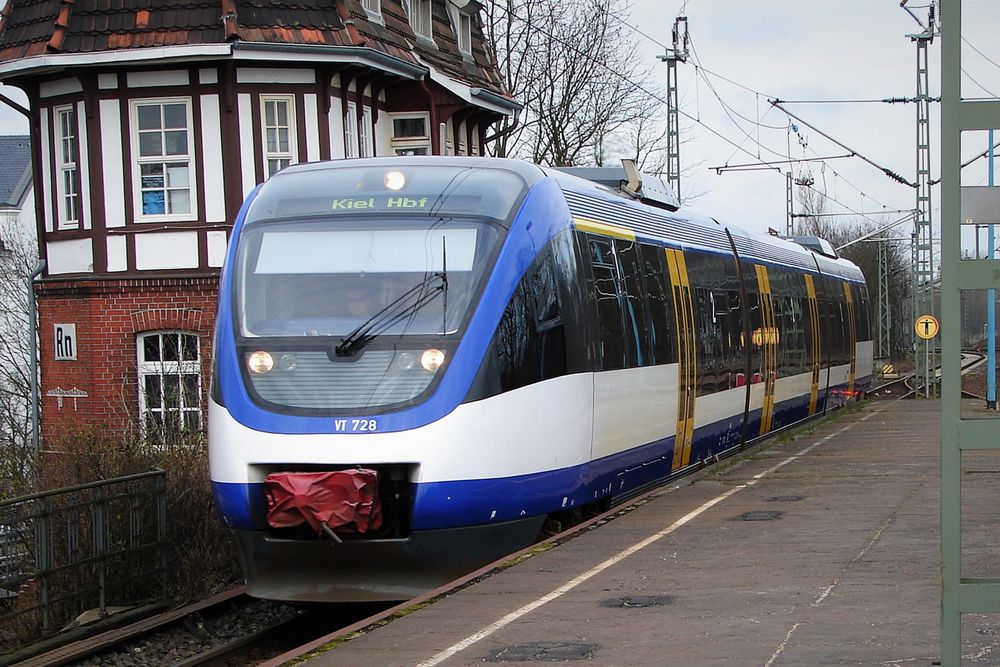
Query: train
[{"x": 419, "y": 361}]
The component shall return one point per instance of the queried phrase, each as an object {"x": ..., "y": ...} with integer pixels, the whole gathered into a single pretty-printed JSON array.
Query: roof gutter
[
  {"x": 272, "y": 52},
  {"x": 160, "y": 54},
  {"x": 498, "y": 100},
  {"x": 241, "y": 51}
]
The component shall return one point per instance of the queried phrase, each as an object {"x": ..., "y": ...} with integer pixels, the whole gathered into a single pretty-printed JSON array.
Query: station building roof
[{"x": 45, "y": 27}]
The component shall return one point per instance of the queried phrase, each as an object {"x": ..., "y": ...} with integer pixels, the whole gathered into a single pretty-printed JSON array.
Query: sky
[
  {"x": 796, "y": 50},
  {"x": 809, "y": 50}
]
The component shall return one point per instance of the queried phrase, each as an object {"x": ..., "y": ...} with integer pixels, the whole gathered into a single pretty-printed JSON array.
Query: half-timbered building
[{"x": 150, "y": 122}]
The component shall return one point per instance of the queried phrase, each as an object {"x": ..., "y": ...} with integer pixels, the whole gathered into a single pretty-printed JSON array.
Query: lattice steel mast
[
  {"x": 884, "y": 311},
  {"x": 923, "y": 238},
  {"x": 679, "y": 53}
]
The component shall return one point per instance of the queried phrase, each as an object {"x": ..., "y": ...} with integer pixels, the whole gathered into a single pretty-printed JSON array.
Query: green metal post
[
  {"x": 882, "y": 308},
  {"x": 959, "y": 595},
  {"x": 951, "y": 455}
]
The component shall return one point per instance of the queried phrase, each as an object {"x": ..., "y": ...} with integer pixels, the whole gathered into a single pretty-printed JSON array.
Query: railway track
[
  {"x": 235, "y": 629},
  {"x": 229, "y": 629},
  {"x": 903, "y": 387}
]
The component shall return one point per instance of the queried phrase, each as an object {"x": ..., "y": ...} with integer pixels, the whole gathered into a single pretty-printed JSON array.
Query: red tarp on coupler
[{"x": 342, "y": 499}]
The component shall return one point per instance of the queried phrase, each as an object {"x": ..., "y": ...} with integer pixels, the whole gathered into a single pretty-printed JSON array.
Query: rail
[{"x": 77, "y": 548}]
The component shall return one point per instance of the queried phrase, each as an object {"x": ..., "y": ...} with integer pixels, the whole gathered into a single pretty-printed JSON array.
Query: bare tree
[
  {"x": 16, "y": 263},
  {"x": 568, "y": 62},
  {"x": 509, "y": 31},
  {"x": 644, "y": 140},
  {"x": 813, "y": 204}
]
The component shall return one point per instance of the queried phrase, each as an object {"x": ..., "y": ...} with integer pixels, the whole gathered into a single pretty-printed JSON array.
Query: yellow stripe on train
[{"x": 602, "y": 228}]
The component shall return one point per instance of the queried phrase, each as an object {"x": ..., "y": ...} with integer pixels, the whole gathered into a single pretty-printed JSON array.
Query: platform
[{"x": 820, "y": 549}]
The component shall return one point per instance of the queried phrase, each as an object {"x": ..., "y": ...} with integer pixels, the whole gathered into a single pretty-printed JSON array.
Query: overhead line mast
[
  {"x": 679, "y": 53},
  {"x": 922, "y": 247}
]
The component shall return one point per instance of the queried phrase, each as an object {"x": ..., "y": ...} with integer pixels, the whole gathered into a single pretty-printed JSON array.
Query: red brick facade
[{"x": 109, "y": 316}]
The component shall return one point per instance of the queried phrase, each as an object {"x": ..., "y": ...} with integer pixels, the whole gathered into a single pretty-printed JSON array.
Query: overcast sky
[
  {"x": 796, "y": 50},
  {"x": 810, "y": 50}
]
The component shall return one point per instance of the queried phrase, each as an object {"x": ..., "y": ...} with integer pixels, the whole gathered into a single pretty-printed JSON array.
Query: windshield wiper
[{"x": 405, "y": 306}]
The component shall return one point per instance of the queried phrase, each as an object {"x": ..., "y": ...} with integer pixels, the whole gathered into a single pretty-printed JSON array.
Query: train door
[
  {"x": 815, "y": 343},
  {"x": 832, "y": 313},
  {"x": 851, "y": 338},
  {"x": 765, "y": 337},
  {"x": 686, "y": 357},
  {"x": 627, "y": 409},
  {"x": 863, "y": 336}
]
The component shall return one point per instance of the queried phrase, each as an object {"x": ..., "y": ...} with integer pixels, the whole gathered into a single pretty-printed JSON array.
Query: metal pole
[
  {"x": 923, "y": 239},
  {"x": 930, "y": 371},
  {"x": 789, "y": 206},
  {"x": 883, "y": 306},
  {"x": 678, "y": 54},
  {"x": 32, "y": 326},
  {"x": 991, "y": 306}
]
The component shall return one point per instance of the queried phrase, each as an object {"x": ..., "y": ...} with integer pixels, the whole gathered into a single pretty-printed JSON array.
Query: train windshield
[{"x": 374, "y": 277}]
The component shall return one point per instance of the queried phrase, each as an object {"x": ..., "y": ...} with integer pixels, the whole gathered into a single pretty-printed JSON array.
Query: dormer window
[
  {"x": 419, "y": 12},
  {"x": 461, "y": 23},
  {"x": 372, "y": 6}
]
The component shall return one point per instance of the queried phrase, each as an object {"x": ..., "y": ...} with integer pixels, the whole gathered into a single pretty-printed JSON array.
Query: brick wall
[{"x": 109, "y": 315}]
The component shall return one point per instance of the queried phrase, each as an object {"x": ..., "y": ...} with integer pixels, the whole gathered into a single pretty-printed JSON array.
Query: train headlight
[
  {"x": 287, "y": 362},
  {"x": 260, "y": 362},
  {"x": 394, "y": 180},
  {"x": 432, "y": 359},
  {"x": 407, "y": 361}
]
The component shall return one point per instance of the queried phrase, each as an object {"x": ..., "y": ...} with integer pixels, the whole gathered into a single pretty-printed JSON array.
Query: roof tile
[
  {"x": 98, "y": 25},
  {"x": 17, "y": 158}
]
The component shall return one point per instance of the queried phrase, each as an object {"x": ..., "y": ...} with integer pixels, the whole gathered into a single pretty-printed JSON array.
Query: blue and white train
[{"x": 424, "y": 358}]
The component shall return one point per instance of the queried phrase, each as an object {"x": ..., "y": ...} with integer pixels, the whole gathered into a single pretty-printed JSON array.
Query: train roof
[{"x": 594, "y": 199}]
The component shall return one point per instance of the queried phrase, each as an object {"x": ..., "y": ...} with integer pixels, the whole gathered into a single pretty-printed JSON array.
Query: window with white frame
[
  {"x": 461, "y": 150},
  {"x": 278, "y": 115},
  {"x": 461, "y": 22},
  {"x": 163, "y": 162},
  {"x": 67, "y": 165},
  {"x": 351, "y": 130},
  {"x": 421, "y": 18},
  {"x": 169, "y": 381},
  {"x": 411, "y": 134},
  {"x": 372, "y": 6},
  {"x": 365, "y": 133}
]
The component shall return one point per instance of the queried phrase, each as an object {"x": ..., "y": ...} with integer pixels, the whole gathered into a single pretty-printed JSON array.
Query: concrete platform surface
[{"x": 817, "y": 550}]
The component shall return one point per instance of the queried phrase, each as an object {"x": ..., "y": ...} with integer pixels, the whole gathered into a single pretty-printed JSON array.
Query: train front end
[{"x": 353, "y": 315}]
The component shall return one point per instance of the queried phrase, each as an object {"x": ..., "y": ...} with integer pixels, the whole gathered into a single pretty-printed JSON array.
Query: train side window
[
  {"x": 799, "y": 358},
  {"x": 633, "y": 307},
  {"x": 731, "y": 325},
  {"x": 530, "y": 341},
  {"x": 707, "y": 341},
  {"x": 659, "y": 306},
  {"x": 832, "y": 353},
  {"x": 609, "y": 309},
  {"x": 838, "y": 320},
  {"x": 862, "y": 325}
]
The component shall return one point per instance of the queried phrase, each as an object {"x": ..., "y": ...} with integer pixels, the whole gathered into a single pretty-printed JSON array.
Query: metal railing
[{"x": 78, "y": 548}]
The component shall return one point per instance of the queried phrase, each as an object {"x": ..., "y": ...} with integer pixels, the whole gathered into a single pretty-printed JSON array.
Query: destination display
[
  {"x": 405, "y": 189},
  {"x": 382, "y": 202}
]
